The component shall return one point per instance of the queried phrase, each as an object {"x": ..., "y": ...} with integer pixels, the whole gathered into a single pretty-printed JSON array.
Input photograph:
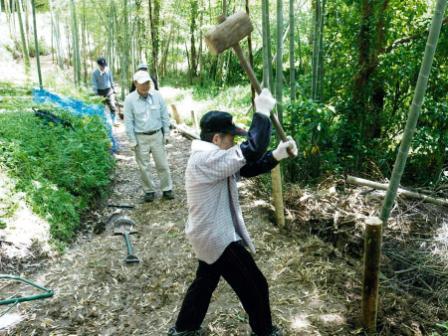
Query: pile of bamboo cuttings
[{"x": 414, "y": 255}]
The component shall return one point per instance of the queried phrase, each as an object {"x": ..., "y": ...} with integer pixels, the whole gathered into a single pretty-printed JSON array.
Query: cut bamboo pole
[
  {"x": 400, "y": 191},
  {"x": 176, "y": 115},
  {"x": 194, "y": 120},
  {"x": 186, "y": 132},
  {"x": 372, "y": 256}
]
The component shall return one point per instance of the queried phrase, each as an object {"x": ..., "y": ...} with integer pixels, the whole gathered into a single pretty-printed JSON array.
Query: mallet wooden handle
[{"x": 250, "y": 73}]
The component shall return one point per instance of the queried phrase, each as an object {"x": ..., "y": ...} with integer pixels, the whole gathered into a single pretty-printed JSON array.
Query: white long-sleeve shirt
[
  {"x": 215, "y": 219},
  {"x": 145, "y": 114}
]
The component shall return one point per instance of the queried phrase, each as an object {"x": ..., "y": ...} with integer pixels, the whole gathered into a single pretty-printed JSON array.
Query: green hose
[{"x": 47, "y": 292}]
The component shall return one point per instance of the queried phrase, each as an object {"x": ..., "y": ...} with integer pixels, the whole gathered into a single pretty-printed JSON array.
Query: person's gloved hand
[
  {"x": 166, "y": 138},
  {"x": 281, "y": 152},
  {"x": 264, "y": 103},
  {"x": 133, "y": 146}
]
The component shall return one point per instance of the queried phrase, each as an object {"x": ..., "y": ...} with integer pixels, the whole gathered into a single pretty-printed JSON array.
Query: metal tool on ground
[
  {"x": 16, "y": 299},
  {"x": 125, "y": 226},
  {"x": 228, "y": 34},
  {"x": 121, "y": 206}
]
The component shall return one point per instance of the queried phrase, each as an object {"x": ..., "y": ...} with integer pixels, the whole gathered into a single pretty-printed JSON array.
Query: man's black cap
[
  {"x": 220, "y": 122},
  {"x": 101, "y": 61}
]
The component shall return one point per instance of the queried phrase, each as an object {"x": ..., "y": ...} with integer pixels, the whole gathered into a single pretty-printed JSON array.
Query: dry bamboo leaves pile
[{"x": 314, "y": 285}]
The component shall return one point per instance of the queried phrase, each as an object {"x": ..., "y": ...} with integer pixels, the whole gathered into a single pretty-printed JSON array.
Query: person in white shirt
[
  {"x": 215, "y": 227},
  {"x": 147, "y": 126}
]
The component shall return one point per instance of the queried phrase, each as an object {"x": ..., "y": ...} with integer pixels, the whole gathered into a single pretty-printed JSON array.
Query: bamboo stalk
[
  {"x": 400, "y": 191},
  {"x": 415, "y": 109},
  {"x": 25, "y": 52},
  {"x": 372, "y": 256},
  {"x": 36, "y": 44},
  {"x": 292, "y": 74}
]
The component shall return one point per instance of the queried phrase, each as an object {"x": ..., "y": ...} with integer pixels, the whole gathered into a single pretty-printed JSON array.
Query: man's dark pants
[
  {"x": 109, "y": 101},
  {"x": 238, "y": 268}
]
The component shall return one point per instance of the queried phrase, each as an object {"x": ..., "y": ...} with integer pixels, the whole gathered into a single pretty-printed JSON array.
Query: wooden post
[
  {"x": 194, "y": 120},
  {"x": 372, "y": 255},
  {"x": 176, "y": 115}
]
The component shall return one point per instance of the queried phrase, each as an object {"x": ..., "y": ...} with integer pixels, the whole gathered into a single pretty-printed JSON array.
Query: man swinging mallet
[{"x": 215, "y": 226}]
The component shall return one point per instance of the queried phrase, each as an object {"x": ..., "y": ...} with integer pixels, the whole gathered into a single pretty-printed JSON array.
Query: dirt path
[{"x": 97, "y": 294}]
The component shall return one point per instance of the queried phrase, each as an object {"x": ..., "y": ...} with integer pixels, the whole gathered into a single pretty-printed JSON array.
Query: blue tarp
[{"x": 79, "y": 108}]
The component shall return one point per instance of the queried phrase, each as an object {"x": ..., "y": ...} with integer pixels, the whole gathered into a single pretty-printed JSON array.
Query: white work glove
[
  {"x": 281, "y": 152},
  {"x": 264, "y": 103},
  {"x": 166, "y": 138}
]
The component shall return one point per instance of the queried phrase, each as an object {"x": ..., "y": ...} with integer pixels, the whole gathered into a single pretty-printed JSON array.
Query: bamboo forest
[{"x": 224, "y": 167}]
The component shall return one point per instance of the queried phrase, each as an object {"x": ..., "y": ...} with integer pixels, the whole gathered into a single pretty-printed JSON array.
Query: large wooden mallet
[{"x": 228, "y": 34}]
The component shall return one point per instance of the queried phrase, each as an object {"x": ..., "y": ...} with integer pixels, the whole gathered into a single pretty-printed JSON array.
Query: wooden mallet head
[{"x": 228, "y": 33}]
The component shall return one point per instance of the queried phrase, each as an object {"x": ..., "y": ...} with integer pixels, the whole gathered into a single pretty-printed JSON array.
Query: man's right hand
[{"x": 264, "y": 103}]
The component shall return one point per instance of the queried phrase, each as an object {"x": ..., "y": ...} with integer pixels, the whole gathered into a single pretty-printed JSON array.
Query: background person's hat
[
  {"x": 142, "y": 66},
  {"x": 220, "y": 122},
  {"x": 142, "y": 77},
  {"x": 101, "y": 61}
]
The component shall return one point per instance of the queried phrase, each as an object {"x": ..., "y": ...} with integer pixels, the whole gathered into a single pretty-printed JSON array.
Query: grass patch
[{"x": 61, "y": 170}]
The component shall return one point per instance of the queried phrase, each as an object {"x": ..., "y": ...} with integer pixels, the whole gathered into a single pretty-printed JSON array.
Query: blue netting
[{"x": 78, "y": 108}]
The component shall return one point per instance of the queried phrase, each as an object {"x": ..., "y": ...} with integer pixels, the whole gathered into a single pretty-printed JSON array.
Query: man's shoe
[
  {"x": 149, "y": 196},
  {"x": 174, "y": 332},
  {"x": 168, "y": 194},
  {"x": 275, "y": 331}
]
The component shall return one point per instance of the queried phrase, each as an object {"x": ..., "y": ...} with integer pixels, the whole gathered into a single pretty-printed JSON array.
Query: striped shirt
[
  {"x": 215, "y": 219},
  {"x": 145, "y": 114}
]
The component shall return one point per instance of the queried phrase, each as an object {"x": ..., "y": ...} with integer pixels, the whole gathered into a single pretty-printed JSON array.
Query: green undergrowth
[{"x": 62, "y": 170}]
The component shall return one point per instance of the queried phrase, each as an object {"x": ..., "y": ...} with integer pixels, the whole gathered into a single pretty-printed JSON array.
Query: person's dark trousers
[
  {"x": 109, "y": 101},
  {"x": 238, "y": 268}
]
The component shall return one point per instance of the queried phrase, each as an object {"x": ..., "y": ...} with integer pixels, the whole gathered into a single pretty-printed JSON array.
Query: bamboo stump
[
  {"x": 176, "y": 115},
  {"x": 194, "y": 120},
  {"x": 372, "y": 255}
]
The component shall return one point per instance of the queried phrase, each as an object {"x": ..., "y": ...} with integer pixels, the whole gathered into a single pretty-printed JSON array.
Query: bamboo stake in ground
[
  {"x": 194, "y": 121},
  {"x": 372, "y": 255},
  {"x": 176, "y": 115}
]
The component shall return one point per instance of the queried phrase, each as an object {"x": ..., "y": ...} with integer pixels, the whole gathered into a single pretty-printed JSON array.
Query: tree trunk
[
  {"x": 84, "y": 43},
  {"x": 368, "y": 91},
  {"x": 57, "y": 35},
  {"x": 25, "y": 52},
  {"x": 268, "y": 32},
  {"x": 193, "y": 27},
  {"x": 267, "y": 70},
  {"x": 36, "y": 45},
  {"x": 139, "y": 14},
  {"x": 320, "y": 74},
  {"x": 26, "y": 14},
  {"x": 125, "y": 51},
  {"x": 75, "y": 42},
  {"x": 292, "y": 74},
  {"x": 316, "y": 49},
  {"x": 279, "y": 60},
  {"x": 251, "y": 57},
  {"x": 154, "y": 19}
]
